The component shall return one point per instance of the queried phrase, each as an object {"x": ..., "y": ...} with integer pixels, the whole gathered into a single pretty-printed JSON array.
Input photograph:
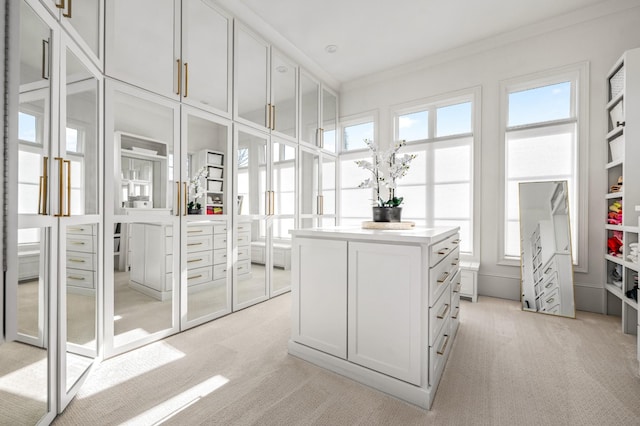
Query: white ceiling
[{"x": 375, "y": 35}]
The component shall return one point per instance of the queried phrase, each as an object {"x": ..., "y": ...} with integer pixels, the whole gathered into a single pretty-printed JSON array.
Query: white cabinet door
[
  {"x": 84, "y": 21},
  {"x": 283, "y": 95},
  {"x": 309, "y": 108},
  {"x": 384, "y": 309},
  {"x": 329, "y": 134},
  {"x": 140, "y": 38},
  {"x": 319, "y": 290},
  {"x": 206, "y": 56},
  {"x": 251, "y": 56}
]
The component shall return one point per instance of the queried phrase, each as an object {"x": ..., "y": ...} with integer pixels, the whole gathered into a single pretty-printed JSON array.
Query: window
[
  {"x": 541, "y": 143},
  {"x": 438, "y": 188},
  {"x": 355, "y": 202},
  {"x": 284, "y": 186},
  {"x": 355, "y": 130}
]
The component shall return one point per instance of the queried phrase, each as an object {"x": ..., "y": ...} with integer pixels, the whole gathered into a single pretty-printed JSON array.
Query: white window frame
[
  {"x": 431, "y": 104},
  {"x": 579, "y": 74},
  {"x": 354, "y": 120}
]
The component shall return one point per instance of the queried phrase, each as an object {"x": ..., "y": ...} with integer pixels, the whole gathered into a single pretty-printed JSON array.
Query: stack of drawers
[
  {"x": 81, "y": 259},
  {"x": 206, "y": 255},
  {"x": 550, "y": 290},
  {"x": 244, "y": 250},
  {"x": 444, "y": 302}
]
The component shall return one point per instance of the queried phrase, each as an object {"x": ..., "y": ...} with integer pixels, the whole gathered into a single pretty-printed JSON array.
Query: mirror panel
[
  {"x": 81, "y": 286},
  {"x": 143, "y": 280},
  {"x": 24, "y": 366},
  {"x": 85, "y": 19},
  {"x": 545, "y": 247},
  {"x": 309, "y": 166},
  {"x": 283, "y": 94},
  {"x": 309, "y": 101},
  {"x": 328, "y": 185},
  {"x": 329, "y": 120},
  {"x": 250, "y": 94}
]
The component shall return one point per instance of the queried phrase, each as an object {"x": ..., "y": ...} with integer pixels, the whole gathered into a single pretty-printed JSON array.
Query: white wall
[{"x": 568, "y": 40}]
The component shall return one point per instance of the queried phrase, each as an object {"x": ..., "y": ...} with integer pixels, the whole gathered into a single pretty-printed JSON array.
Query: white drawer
[
  {"x": 199, "y": 243},
  {"x": 550, "y": 284},
  {"x": 199, "y": 276},
  {"x": 442, "y": 249},
  {"x": 439, "y": 315},
  {"x": 219, "y": 229},
  {"x": 168, "y": 263},
  {"x": 438, "y": 353},
  {"x": 220, "y": 256},
  {"x": 244, "y": 238},
  {"x": 550, "y": 300},
  {"x": 80, "y": 278},
  {"x": 220, "y": 272},
  {"x": 439, "y": 277},
  {"x": 195, "y": 230},
  {"x": 81, "y": 229},
  {"x": 199, "y": 259},
  {"x": 81, "y": 242},
  {"x": 454, "y": 260},
  {"x": 243, "y": 267},
  {"x": 243, "y": 253},
  {"x": 220, "y": 241},
  {"x": 456, "y": 282},
  {"x": 455, "y": 312},
  {"x": 244, "y": 227},
  {"x": 80, "y": 260}
]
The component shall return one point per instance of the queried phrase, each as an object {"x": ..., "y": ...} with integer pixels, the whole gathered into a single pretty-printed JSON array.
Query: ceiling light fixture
[{"x": 331, "y": 48}]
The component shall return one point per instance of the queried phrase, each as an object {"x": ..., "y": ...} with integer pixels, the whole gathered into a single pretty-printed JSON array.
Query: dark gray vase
[{"x": 387, "y": 214}]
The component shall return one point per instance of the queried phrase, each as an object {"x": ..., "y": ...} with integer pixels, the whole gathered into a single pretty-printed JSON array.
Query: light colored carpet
[{"x": 507, "y": 367}]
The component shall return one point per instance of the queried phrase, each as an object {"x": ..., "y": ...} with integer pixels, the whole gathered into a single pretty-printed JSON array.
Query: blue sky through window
[
  {"x": 413, "y": 126},
  {"x": 541, "y": 104},
  {"x": 26, "y": 127},
  {"x": 453, "y": 120},
  {"x": 355, "y": 135}
]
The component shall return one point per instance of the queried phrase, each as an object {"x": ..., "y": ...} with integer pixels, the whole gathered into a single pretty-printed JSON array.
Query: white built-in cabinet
[
  {"x": 183, "y": 53},
  {"x": 125, "y": 107},
  {"x": 84, "y": 21},
  {"x": 623, "y": 133},
  {"x": 385, "y": 313},
  {"x": 265, "y": 86},
  {"x": 55, "y": 239}
]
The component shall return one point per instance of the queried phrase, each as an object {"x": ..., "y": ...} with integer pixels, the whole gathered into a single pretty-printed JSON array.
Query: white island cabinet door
[
  {"x": 319, "y": 285},
  {"x": 384, "y": 308}
]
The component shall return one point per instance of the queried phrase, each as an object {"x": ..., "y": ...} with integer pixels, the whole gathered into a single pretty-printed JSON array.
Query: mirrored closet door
[
  {"x": 205, "y": 223},
  {"x": 145, "y": 197}
]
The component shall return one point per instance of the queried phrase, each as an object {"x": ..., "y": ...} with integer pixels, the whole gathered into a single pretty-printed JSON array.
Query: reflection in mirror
[
  {"x": 283, "y": 89},
  {"x": 250, "y": 270},
  {"x": 81, "y": 288},
  {"x": 309, "y": 165},
  {"x": 545, "y": 247},
  {"x": 143, "y": 280},
  {"x": 207, "y": 265},
  {"x": 308, "y": 108},
  {"x": 24, "y": 361},
  {"x": 329, "y": 117},
  {"x": 281, "y": 254},
  {"x": 82, "y": 136}
]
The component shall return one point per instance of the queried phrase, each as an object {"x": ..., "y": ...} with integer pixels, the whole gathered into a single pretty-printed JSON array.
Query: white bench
[
  {"x": 469, "y": 280},
  {"x": 281, "y": 254}
]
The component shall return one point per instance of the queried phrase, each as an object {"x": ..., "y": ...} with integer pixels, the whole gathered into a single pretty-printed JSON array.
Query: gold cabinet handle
[
  {"x": 273, "y": 202},
  {"x": 178, "y": 199},
  {"x": 442, "y": 314},
  {"x": 68, "y": 163},
  {"x": 77, "y": 243},
  {"x": 45, "y": 67},
  {"x": 319, "y": 202},
  {"x": 457, "y": 289},
  {"x": 268, "y": 113},
  {"x": 443, "y": 251},
  {"x": 179, "y": 77},
  {"x": 194, "y": 260},
  {"x": 193, "y": 231},
  {"x": 186, "y": 79},
  {"x": 194, "y": 244},
  {"x": 273, "y": 117},
  {"x": 186, "y": 195},
  {"x": 455, "y": 316},
  {"x": 68, "y": 13},
  {"x": 443, "y": 277},
  {"x": 73, "y": 277},
  {"x": 60, "y": 161},
  {"x": 194, "y": 277},
  {"x": 456, "y": 241},
  {"x": 444, "y": 347},
  {"x": 40, "y": 195},
  {"x": 45, "y": 184},
  {"x": 77, "y": 260},
  {"x": 60, "y": 5}
]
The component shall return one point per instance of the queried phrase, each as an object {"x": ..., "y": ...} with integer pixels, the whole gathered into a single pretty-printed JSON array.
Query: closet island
[{"x": 379, "y": 307}]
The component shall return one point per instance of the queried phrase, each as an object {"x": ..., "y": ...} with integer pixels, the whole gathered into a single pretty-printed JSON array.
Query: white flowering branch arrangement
[
  {"x": 397, "y": 167},
  {"x": 196, "y": 188}
]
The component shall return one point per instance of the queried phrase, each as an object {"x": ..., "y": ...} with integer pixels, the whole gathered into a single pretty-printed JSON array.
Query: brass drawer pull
[
  {"x": 195, "y": 260},
  {"x": 550, "y": 300},
  {"x": 77, "y": 260},
  {"x": 455, "y": 316},
  {"x": 194, "y": 244},
  {"x": 444, "y": 347},
  {"x": 194, "y": 277},
  {"x": 443, "y": 277},
  {"x": 443, "y": 251},
  {"x": 456, "y": 241},
  {"x": 457, "y": 289},
  {"x": 444, "y": 312},
  {"x": 549, "y": 284},
  {"x": 193, "y": 231},
  {"x": 72, "y": 277},
  {"x": 77, "y": 243}
]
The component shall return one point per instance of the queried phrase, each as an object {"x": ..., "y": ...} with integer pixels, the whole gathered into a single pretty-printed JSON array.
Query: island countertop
[{"x": 416, "y": 235}]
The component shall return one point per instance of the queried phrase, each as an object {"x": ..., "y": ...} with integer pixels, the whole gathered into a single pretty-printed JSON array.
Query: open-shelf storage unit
[{"x": 623, "y": 192}]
